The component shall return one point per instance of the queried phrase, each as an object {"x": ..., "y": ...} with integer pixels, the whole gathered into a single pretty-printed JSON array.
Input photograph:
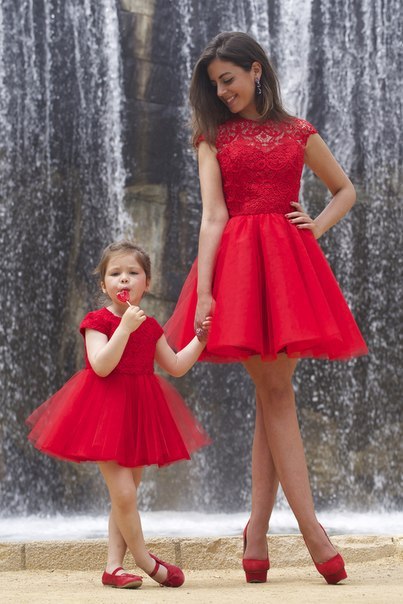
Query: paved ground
[{"x": 375, "y": 582}]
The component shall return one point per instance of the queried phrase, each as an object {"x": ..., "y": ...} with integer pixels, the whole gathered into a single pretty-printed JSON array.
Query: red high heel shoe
[
  {"x": 175, "y": 577},
  {"x": 332, "y": 570},
  {"x": 255, "y": 570}
]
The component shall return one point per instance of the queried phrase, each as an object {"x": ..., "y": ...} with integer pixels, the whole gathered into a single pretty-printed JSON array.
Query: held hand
[
  {"x": 203, "y": 331},
  {"x": 205, "y": 308},
  {"x": 302, "y": 220},
  {"x": 133, "y": 317}
]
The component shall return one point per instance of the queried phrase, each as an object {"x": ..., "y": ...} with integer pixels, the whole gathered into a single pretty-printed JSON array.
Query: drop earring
[{"x": 258, "y": 86}]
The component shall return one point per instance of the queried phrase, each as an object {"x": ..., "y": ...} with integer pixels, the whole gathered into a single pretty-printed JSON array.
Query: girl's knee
[{"x": 124, "y": 499}]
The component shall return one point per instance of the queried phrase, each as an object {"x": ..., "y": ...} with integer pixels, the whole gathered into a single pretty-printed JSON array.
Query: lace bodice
[
  {"x": 261, "y": 164},
  {"x": 138, "y": 356}
]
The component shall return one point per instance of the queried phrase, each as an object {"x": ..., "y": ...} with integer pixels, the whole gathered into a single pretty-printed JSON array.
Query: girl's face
[
  {"x": 235, "y": 86},
  {"x": 124, "y": 272}
]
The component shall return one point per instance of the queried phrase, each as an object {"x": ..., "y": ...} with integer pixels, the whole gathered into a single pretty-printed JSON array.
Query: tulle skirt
[
  {"x": 274, "y": 293},
  {"x": 135, "y": 420}
]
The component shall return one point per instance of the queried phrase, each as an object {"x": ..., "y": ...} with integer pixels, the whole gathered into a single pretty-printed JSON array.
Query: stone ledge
[
  {"x": 12, "y": 556},
  {"x": 192, "y": 554}
]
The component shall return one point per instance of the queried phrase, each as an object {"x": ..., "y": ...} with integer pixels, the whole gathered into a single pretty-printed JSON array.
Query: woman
[{"x": 261, "y": 273}]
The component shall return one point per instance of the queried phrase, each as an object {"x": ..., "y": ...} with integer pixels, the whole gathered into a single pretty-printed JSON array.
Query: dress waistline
[{"x": 258, "y": 213}]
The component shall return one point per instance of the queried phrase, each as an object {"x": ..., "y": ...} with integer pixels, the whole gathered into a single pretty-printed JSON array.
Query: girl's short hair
[
  {"x": 123, "y": 247},
  {"x": 242, "y": 50}
]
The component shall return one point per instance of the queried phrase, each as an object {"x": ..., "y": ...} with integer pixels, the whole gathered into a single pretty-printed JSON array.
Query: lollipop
[{"x": 124, "y": 296}]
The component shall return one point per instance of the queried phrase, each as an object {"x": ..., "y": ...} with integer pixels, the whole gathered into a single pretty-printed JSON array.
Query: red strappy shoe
[
  {"x": 255, "y": 570},
  {"x": 332, "y": 570},
  {"x": 175, "y": 577},
  {"x": 123, "y": 581}
]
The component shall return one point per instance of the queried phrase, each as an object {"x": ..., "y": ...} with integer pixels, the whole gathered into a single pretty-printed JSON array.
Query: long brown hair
[{"x": 208, "y": 111}]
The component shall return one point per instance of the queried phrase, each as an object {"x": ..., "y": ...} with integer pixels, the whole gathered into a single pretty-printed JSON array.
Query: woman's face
[{"x": 235, "y": 86}]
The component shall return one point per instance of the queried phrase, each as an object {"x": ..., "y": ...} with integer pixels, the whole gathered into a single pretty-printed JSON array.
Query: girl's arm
[
  {"x": 104, "y": 354},
  {"x": 179, "y": 363},
  {"x": 321, "y": 161},
  {"x": 214, "y": 219}
]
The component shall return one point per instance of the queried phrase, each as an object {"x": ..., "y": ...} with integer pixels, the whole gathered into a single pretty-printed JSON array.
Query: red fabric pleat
[
  {"x": 135, "y": 420},
  {"x": 274, "y": 292}
]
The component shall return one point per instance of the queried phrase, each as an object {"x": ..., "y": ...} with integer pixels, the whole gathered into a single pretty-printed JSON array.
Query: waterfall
[
  {"x": 62, "y": 179},
  {"x": 94, "y": 121}
]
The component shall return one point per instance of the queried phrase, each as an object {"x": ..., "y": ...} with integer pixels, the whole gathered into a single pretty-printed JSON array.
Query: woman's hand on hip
[{"x": 302, "y": 220}]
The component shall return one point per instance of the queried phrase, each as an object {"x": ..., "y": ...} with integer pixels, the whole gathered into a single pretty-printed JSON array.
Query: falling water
[{"x": 62, "y": 180}]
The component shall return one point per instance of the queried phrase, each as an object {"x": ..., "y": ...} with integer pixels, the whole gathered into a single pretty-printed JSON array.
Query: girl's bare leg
[
  {"x": 116, "y": 544},
  {"x": 123, "y": 494},
  {"x": 275, "y": 392},
  {"x": 264, "y": 489}
]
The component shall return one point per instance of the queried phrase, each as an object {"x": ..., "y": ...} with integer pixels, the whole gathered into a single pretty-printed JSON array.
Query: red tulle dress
[
  {"x": 131, "y": 416},
  {"x": 273, "y": 288}
]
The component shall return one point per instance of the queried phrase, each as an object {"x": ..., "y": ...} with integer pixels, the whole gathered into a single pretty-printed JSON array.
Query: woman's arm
[
  {"x": 214, "y": 219},
  {"x": 179, "y": 363},
  {"x": 104, "y": 354},
  {"x": 321, "y": 161}
]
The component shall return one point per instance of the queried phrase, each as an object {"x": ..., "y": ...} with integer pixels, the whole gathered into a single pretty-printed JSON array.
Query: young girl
[
  {"x": 261, "y": 273},
  {"x": 118, "y": 413}
]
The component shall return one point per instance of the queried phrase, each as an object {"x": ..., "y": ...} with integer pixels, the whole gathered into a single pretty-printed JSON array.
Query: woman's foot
[
  {"x": 255, "y": 568},
  {"x": 255, "y": 541},
  {"x": 318, "y": 544},
  {"x": 121, "y": 579},
  {"x": 327, "y": 560}
]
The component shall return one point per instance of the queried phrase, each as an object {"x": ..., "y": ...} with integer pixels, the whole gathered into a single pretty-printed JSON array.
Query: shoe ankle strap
[
  {"x": 116, "y": 570},
  {"x": 156, "y": 568}
]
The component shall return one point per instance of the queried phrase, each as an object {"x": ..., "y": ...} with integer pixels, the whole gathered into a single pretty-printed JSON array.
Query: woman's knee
[{"x": 275, "y": 392}]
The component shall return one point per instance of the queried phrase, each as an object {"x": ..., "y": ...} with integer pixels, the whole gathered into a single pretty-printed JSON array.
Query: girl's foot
[
  {"x": 122, "y": 580},
  {"x": 166, "y": 574}
]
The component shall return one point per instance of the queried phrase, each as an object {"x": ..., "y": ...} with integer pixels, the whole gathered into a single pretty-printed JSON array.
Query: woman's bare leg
[
  {"x": 275, "y": 391},
  {"x": 264, "y": 489},
  {"x": 123, "y": 494},
  {"x": 116, "y": 544}
]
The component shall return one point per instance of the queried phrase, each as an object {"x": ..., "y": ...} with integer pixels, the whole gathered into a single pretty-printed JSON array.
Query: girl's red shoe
[
  {"x": 175, "y": 577},
  {"x": 255, "y": 570},
  {"x": 123, "y": 581}
]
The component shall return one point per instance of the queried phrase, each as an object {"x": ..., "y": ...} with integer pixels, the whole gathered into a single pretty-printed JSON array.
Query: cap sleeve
[
  {"x": 200, "y": 139},
  {"x": 95, "y": 320},
  {"x": 156, "y": 327},
  {"x": 306, "y": 129}
]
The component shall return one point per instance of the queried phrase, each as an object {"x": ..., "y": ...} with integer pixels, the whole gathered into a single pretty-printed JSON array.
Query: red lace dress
[
  {"x": 130, "y": 416},
  {"x": 273, "y": 287}
]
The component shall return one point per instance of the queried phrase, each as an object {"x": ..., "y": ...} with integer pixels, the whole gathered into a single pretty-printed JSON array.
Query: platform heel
[{"x": 255, "y": 570}]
